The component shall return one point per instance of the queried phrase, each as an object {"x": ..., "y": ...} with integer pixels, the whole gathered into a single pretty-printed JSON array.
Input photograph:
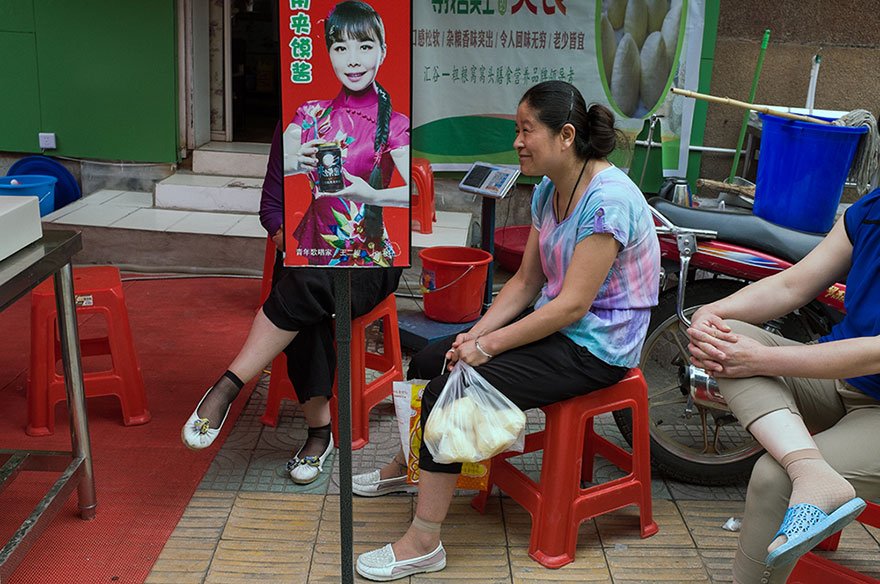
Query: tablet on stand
[{"x": 492, "y": 182}]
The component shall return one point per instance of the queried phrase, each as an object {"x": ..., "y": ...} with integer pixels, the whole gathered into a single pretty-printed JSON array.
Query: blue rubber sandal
[{"x": 806, "y": 525}]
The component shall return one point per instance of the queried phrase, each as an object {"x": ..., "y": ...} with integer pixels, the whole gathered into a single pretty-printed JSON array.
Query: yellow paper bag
[{"x": 474, "y": 475}]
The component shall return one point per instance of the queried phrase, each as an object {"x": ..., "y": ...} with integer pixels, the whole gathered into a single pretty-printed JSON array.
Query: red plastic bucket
[
  {"x": 453, "y": 282},
  {"x": 510, "y": 245}
]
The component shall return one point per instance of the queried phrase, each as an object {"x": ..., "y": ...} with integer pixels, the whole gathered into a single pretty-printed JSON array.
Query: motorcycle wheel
[{"x": 677, "y": 446}]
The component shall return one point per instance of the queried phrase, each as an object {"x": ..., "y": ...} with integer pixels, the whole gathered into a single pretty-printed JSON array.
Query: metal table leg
[{"x": 73, "y": 381}]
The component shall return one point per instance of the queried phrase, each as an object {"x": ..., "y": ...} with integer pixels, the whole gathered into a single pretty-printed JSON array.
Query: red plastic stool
[
  {"x": 557, "y": 503},
  {"x": 268, "y": 268},
  {"x": 814, "y": 569},
  {"x": 98, "y": 291},
  {"x": 422, "y": 204},
  {"x": 364, "y": 396}
]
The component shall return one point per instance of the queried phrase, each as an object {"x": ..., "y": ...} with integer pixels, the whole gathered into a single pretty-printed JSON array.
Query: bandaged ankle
[
  {"x": 426, "y": 526},
  {"x": 814, "y": 481},
  {"x": 803, "y": 454}
]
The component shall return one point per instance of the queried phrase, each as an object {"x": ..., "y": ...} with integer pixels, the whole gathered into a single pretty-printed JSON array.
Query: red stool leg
[
  {"x": 641, "y": 457},
  {"x": 588, "y": 460},
  {"x": 131, "y": 392},
  {"x": 554, "y": 528},
  {"x": 268, "y": 266},
  {"x": 41, "y": 413},
  {"x": 280, "y": 388},
  {"x": 360, "y": 414}
]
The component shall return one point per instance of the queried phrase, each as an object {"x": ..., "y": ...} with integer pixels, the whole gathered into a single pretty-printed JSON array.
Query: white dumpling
[
  {"x": 636, "y": 21},
  {"x": 609, "y": 47},
  {"x": 657, "y": 10},
  {"x": 670, "y": 30},
  {"x": 512, "y": 420},
  {"x": 616, "y": 12},
  {"x": 626, "y": 78},
  {"x": 654, "y": 69}
]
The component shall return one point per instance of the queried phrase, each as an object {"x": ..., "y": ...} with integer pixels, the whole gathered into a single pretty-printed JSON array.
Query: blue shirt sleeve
[
  {"x": 606, "y": 212},
  {"x": 857, "y": 212}
]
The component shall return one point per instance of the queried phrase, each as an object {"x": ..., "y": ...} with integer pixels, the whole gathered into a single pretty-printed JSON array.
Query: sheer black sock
[
  {"x": 316, "y": 443},
  {"x": 222, "y": 393}
]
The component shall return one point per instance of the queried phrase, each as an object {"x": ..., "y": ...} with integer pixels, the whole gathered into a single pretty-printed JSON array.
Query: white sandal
[
  {"x": 197, "y": 432},
  {"x": 370, "y": 484},
  {"x": 307, "y": 469},
  {"x": 382, "y": 566}
]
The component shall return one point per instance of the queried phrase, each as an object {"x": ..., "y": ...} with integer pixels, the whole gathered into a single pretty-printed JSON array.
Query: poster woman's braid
[{"x": 373, "y": 213}]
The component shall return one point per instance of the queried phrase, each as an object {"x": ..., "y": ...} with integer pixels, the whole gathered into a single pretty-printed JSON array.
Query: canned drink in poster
[
  {"x": 330, "y": 168},
  {"x": 346, "y": 132}
]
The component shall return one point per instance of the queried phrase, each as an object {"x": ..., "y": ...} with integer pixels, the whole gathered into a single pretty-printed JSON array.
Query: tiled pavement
[{"x": 248, "y": 522}]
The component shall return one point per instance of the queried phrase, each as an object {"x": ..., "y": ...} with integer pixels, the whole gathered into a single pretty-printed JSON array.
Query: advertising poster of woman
[{"x": 346, "y": 132}]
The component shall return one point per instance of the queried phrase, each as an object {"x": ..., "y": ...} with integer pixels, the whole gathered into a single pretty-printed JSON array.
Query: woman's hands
[
  {"x": 299, "y": 157},
  {"x": 722, "y": 353},
  {"x": 465, "y": 348}
]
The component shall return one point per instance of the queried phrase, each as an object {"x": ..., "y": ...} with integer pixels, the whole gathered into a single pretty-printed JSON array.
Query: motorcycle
[{"x": 694, "y": 436}]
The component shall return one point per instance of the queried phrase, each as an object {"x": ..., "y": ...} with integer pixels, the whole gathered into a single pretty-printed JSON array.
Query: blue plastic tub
[
  {"x": 33, "y": 185},
  {"x": 801, "y": 172}
]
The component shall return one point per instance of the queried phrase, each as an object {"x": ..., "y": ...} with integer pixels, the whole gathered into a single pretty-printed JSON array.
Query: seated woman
[
  {"x": 297, "y": 317},
  {"x": 783, "y": 391},
  {"x": 593, "y": 257}
]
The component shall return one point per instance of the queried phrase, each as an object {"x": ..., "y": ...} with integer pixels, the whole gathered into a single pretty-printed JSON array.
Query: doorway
[{"x": 254, "y": 69}]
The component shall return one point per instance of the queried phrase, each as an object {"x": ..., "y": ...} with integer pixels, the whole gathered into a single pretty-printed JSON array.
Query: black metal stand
[
  {"x": 342, "y": 286},
  {"x": 487, "y": 242}
]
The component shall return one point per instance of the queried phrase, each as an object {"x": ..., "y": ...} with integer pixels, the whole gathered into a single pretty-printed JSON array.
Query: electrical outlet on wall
[{"x": 47, "y": 140}]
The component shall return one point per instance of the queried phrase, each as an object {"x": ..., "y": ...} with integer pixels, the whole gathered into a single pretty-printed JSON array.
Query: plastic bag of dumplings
[{"x": 472, "y": 420}]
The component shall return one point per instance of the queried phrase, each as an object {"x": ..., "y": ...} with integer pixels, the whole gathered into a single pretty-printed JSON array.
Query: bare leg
[
  {"x": 813, "y": 481},
  {"x": 435, "y": 495},
  {"x": 264, "y": 342},
  {"x": 396, "y": 467}
]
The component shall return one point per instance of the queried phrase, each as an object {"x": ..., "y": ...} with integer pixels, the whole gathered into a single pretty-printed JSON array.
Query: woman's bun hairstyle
[{"x": 558, "y": 103}]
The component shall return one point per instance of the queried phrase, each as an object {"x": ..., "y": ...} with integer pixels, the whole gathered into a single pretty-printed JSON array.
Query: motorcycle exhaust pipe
[{"x": 704, "y": 389}]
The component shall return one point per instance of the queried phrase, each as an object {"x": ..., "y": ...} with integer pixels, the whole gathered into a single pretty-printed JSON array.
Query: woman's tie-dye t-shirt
[{"x": 615, "y": 326}]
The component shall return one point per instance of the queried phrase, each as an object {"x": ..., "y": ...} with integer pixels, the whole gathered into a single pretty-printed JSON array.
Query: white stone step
[
  {"x": 451, "y": 228},
  {"x": 201, "y": 192},
  {"x": 135, "y": 210},
  {"x": 224, "y": 158}
]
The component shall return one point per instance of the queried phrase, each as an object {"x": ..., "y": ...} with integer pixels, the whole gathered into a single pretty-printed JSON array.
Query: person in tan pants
[{"x": 815, "y": 408}]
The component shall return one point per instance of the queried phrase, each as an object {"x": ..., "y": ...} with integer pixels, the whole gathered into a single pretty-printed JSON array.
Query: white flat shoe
[
  {"x": 197, "y": 433},
  {"x": 370, "y": 485},
  {"x": 308, "y": 468},
  {"x": 381, "y": 565}
]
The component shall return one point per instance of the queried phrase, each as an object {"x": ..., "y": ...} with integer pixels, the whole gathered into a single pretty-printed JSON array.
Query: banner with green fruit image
[{"x": 473, "y": 60}]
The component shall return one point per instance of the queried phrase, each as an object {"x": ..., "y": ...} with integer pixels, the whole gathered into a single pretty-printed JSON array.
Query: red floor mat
[{"x": 185, "y": 332}]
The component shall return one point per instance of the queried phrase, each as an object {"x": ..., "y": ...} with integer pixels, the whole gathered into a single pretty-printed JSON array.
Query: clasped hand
[
  {"x": 465, "y": 348},
  {"x": 715, "y": 348}
]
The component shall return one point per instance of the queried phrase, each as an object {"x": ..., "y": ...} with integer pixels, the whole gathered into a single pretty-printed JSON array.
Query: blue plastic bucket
[
  {"x": 32, "y": 185},
  {"x": 801, "y": 172}
]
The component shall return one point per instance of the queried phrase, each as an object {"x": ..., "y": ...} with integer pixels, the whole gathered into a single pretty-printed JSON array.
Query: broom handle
[
  {"x": 758, "y": 108},
  {"x": 745, "y": 120}
]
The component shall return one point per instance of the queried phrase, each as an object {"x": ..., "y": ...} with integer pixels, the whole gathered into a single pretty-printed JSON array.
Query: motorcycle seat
[{"x": 743, "y": 229}]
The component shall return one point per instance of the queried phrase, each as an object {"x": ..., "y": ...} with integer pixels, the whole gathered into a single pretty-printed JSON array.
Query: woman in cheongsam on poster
[{"x": 346, "y": 227}]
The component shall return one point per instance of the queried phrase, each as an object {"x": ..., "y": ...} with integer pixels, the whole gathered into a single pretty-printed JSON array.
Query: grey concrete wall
[{"x": 848, "y": 34}]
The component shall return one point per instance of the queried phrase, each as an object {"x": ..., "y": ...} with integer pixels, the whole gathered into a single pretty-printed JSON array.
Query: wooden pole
[{"x": 758, "y": 108}]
